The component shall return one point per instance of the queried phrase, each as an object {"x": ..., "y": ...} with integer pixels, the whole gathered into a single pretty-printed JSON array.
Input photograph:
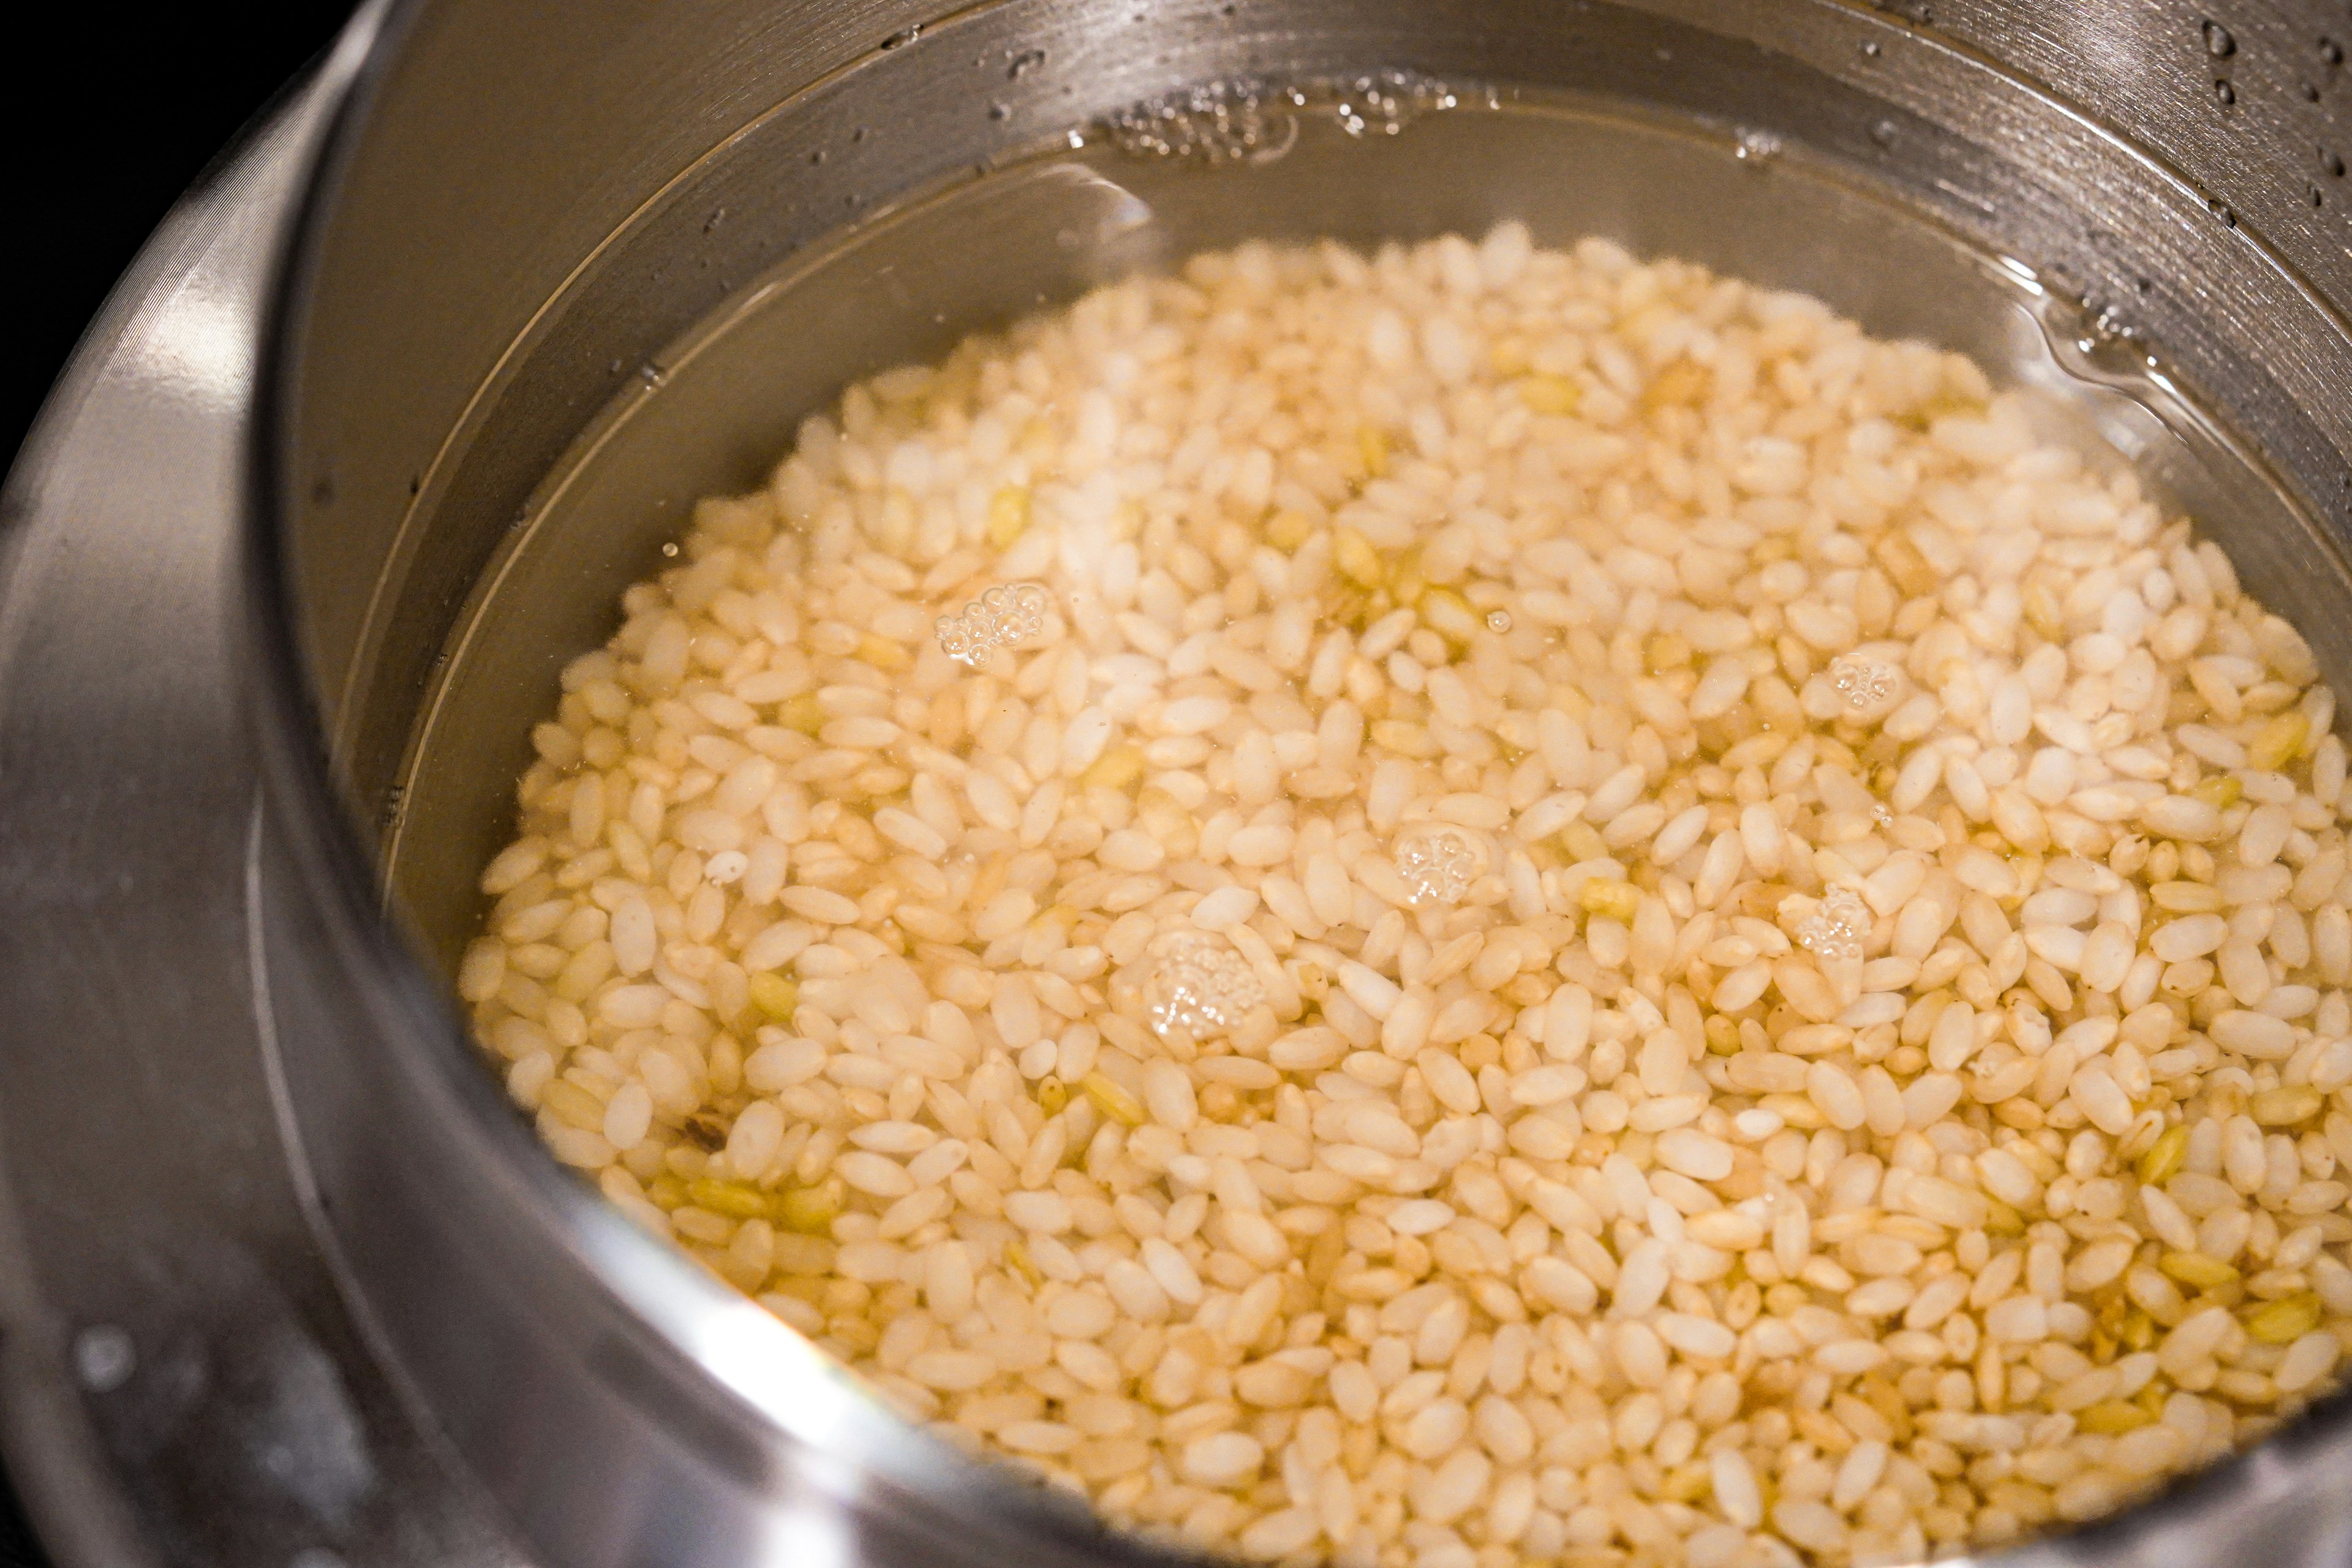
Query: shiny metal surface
[
  {"x": 280, "y": 1273},
  {"x": 181, "y": 1378}
]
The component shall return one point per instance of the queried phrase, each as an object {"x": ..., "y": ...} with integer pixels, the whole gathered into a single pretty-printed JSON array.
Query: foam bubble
[
  {"x": 1869, "y": 688},
  {"x": 1199, "y": 984},
  {"x": 1837, "y": 927},
  {"x": 1008, "y": 616},
  {"x": 1438, "y": 865}
]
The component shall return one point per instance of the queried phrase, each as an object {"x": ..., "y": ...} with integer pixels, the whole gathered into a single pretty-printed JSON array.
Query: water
[{"x": 1367, "y": 160}]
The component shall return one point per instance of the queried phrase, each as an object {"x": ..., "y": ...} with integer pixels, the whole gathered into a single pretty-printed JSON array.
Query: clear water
[
  {"x": 1392, "y": 156},
  {"x": 1395, "y": 157}
]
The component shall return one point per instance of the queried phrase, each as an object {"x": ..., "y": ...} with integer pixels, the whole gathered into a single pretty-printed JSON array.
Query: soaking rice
[{"x": 1559, "y": 911}]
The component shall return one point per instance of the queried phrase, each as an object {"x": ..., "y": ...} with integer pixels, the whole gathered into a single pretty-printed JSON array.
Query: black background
[{"x": 120, "y": 110}]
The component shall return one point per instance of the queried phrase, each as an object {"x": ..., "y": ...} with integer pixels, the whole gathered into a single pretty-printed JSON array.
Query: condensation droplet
[
  {"x": 1837, "y": 926},
  {"x": 1498, "y": 621},
  {"x": 1438, "y": 865},
  {"x": 1010, "y": 615},
  {"x": 1199, "y": 984},
  {"x": 104, "y": 1358}
]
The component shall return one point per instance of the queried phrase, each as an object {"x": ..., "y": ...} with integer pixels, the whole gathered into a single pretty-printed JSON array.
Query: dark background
[
  {"x": 137, "y": 102},
  {"x": 158, "y": 93}
]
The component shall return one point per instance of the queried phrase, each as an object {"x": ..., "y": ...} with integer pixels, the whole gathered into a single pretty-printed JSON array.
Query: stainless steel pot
[{"x": 372, "y": 438}]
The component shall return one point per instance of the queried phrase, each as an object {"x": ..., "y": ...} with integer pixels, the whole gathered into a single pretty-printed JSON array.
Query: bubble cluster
[
  {"x": 1201, "y": 984},
  {"x": 1837, "y": 927},
  {"x": 1866, "y": 686},
  {"x": 1005, "y": 616},
  {"x": 1243, "y": 119},
  {"x": 1216, "y": 123},
  {"x": 1383, "y": 103},
  {"x": 1438, "y": 865}
]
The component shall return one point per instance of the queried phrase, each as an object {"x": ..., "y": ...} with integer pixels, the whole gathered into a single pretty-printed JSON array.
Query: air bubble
[
  {"x": 2218, "y": 41},
  {"x": 1757, "y": 146},
  {"x": 1245, "y": 119},
  {"x": 669, "y": 549},
  {"x": 1201, "y": 984},
  {"x": 2222, "y": 91},
  {"x": 1498, "y": 621},
  {"x": 1438, "y": 865},
  {"x": 1869, "y": 688},
  {"x": 1836, "y": 928},
  {"x": 1007, "y": 616},
  {"x": 1385, "y": 102},
  {"x": 1223, "y": 123}
]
